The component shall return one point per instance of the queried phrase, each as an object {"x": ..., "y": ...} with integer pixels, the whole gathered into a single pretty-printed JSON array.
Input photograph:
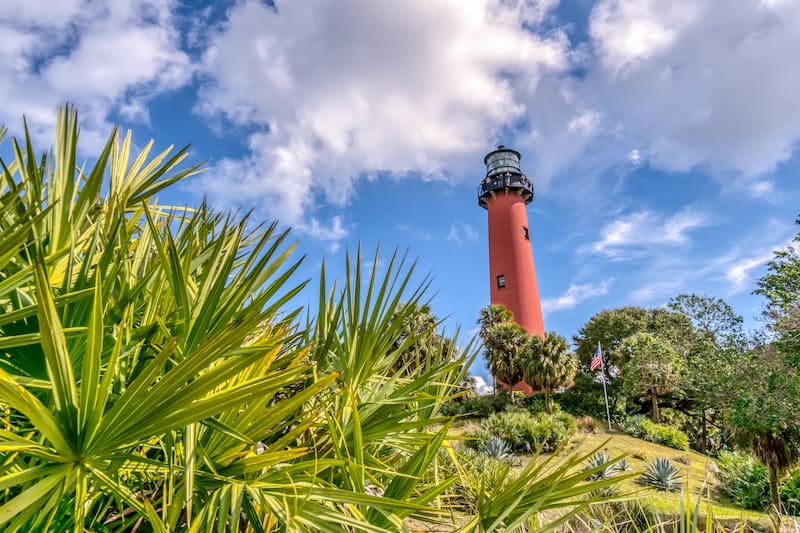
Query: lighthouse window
[
  {"x": 525, "y": 233},
  {"x": 501, "y": 281}
]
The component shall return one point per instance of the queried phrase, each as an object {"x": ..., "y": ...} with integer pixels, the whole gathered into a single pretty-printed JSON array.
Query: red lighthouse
[{"x": 505, "y": 194}]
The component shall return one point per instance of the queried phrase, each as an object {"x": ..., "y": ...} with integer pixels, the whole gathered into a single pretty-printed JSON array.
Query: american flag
[{"x": 597, "y": 360}]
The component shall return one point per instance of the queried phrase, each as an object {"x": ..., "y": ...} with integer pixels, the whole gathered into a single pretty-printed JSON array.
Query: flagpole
[{"x": 605, "y": 391}]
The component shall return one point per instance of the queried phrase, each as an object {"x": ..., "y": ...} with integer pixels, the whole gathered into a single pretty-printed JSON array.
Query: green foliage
[
  {"x": 764, "y": 414},
  {"x": 662, "y": 475},
  {"x": 612, "y": 326},
  {"x": 781, "y": 285},
  {"x": 790, "y": 493},
  {"x": 479, "y": 406},
  {"x": 653, "y": 368},
  {"x": 585, "y": 397},
  {"x": 549, "y": 364},
  {"x": 515, "y": 498},
  {"x": 505, "y": 344},
  {"x": 526, "y": 432},
  {"x": 632, "y": 425},
  {"x": 744, "y": 479},
  {"x": 666, "y": 435},
  {"x": 640, "y": 427}
]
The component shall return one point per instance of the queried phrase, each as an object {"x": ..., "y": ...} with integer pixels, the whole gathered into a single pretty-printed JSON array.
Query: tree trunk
[
  {"x": 654, "y": 399},
  {"x": 705, "y": 432},
  {"x": 547, "y": 400},
  {"x": 774, "y": 495}
]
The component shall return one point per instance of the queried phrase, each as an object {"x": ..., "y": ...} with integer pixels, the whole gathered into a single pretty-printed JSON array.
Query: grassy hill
[{"x": 698, "y": 473}]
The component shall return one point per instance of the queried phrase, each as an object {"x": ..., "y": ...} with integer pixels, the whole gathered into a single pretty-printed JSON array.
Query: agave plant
[
  {"x": 600, "y": 466},
  {"x": 662, "y": 475},
  {"x": 496, "y": 448}
]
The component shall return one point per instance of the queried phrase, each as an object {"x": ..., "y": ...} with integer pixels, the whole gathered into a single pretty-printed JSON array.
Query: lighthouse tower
[{"x": 505, "y": 194}]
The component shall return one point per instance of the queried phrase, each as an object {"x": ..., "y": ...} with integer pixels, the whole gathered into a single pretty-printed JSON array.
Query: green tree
[
  {"x": 501, "y": 346},
  {"x": 781, "y": 286},
  {"x": 652, "y": 368},
  {"x": 612, "y": 326},
  {"x": 420, "y": 342},
  {"x": 506, "y": 344},
  {"x": 766, "y": 413},
  {"x": 718, "y": 349},
  {"x": 549, "y": 364}
]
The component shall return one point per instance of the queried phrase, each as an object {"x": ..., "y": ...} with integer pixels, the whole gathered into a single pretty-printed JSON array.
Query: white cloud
[
  {"x": 461, "y": 233},
  {"x": 575, "y": 294},
  {"x": 417, "y": 233},
  {"x": 349, "y": 88},
  {"x": 102, "y": 56},
  {"x": 658, "y": 289},
  {"x": 629, "y": 32},
  {"x": 481, "y": 386},
  {"x": 740, "y": 265},
  {"x": 635, "y": 234},
  {"x": 694, "y": 84}
]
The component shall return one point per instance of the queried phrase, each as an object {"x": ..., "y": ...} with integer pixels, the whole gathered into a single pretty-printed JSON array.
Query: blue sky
[{"x": 661, "y": 136}]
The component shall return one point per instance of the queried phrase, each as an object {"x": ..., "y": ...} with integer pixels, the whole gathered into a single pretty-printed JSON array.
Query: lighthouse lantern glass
[{"x": 502, "y": 162}]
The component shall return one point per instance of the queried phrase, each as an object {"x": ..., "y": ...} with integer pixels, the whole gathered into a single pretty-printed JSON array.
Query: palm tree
[
  {"x": 502, "y": 345},
  {"x": 420, "y": 342},
  {"x": 549, "y": 364},
  {"x": 505, "y": 344}
]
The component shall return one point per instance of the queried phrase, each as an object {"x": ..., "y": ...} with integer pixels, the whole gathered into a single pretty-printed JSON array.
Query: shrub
[
  {"x": 643, "y": 428},
  {"x": 526, "y": 432},
  {"x": 744, "y": 479},
  {"x": 480, "y": 406},
  {"x": 661, "y": 474},
  {"x": 535, "y": 404},
  {"x": 790, "y": 493},
  {"x": 585, "y": 397},
  {"x": 632, "y": 425},
  {"x": 666, "y": 435}
]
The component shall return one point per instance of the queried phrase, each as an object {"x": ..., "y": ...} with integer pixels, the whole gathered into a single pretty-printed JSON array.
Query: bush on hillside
[
  {"x": 535, "y": 404},
  {"x": 526, "y": 432},
  {"x": 632, "y": 425},
  {"x": 790, "y": 493},
  {"x": 744, "y": 479},
  {"x": 643, "y": 428},
  {"x": 477, "y": 406},
  {"x": 585, "y": 397}
]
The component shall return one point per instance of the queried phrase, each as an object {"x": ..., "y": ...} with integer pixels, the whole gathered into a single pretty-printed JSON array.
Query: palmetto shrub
[
  {"x": 661, "y": 474},
  {"x": 155, "y": 374}
]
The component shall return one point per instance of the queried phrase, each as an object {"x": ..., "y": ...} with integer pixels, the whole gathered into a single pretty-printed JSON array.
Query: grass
[{"x": 696, "y": 471}]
